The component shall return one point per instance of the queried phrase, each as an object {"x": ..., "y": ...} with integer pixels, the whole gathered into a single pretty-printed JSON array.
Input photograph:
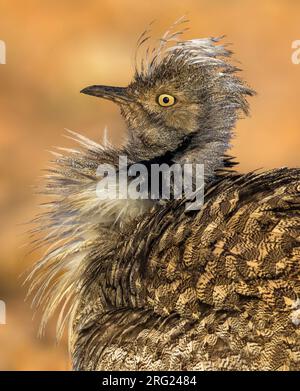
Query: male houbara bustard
[{"x": 149, "y": 284}]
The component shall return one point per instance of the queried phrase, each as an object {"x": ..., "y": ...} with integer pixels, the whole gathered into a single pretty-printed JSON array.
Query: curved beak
[{"x": 116, "y": 94}]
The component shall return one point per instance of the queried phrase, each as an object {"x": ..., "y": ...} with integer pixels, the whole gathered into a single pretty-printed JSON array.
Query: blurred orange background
[{"x": 54, "y": 49}]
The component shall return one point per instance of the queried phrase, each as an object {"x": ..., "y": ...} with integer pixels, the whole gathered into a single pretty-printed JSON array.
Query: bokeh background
[{"x": 54, "y": 49}]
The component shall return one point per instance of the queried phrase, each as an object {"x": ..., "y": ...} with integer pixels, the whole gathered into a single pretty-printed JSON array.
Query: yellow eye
[{"x": 166, "y": 100}]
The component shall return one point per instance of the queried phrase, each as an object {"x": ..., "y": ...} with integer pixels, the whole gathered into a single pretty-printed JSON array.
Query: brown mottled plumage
[{"x": 149, "y": 285}]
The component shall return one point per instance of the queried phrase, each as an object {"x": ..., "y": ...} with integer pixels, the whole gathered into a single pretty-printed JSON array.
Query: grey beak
[{"x": 116, "y": 94}]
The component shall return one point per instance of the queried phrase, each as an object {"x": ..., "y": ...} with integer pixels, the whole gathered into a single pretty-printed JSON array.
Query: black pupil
[{"x": 166, "y": 99}]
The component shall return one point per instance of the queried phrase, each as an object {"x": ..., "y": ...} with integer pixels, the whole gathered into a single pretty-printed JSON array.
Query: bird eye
[{"x": 166, "y": 100}]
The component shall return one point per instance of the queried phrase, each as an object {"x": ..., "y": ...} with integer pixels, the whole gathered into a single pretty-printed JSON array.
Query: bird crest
[{"x": 171, "y": 47}]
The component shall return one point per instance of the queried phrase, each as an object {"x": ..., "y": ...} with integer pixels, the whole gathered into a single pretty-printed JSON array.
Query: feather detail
[{"x": 72, "y": 221}]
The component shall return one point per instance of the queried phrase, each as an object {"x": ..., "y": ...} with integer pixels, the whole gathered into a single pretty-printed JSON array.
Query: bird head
[{"x": 183, "y": 102}]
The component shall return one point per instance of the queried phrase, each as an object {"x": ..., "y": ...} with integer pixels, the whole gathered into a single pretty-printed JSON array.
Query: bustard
[{"x": 149, "y": 285}]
